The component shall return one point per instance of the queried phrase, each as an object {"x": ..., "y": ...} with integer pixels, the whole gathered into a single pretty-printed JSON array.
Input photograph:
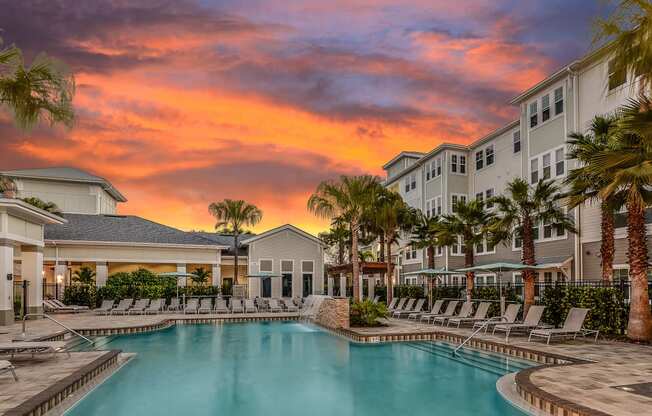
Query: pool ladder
[{"x": 483, "y": 326}]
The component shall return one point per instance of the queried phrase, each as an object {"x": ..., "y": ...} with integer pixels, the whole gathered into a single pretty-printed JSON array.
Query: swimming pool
[{"x": 290, "y": 368}]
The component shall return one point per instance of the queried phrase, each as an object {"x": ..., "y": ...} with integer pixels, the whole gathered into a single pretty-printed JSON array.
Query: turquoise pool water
[{"x": 292, "y": 369}]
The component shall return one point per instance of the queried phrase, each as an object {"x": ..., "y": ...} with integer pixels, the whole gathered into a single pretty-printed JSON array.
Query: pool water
[{"x": 292, "y": 369}]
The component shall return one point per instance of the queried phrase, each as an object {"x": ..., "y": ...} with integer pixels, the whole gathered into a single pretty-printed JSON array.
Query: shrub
[
  {"x": 367, "y": 313},
  {"x": 409, "y": 291},
  {"x": 82, "y": 295}
]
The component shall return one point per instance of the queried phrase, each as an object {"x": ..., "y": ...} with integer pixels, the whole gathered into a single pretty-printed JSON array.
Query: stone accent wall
[{"x": 333, "y": 313}]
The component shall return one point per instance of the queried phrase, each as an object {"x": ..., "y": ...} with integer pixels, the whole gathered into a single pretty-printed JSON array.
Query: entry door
[
  {"x": 287, "y": 285},
  {"x": 267, "y": 287},
  {"x": 307, "y": 285}
]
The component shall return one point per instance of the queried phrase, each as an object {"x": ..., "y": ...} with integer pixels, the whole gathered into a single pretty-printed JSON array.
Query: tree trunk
[
  {"x": 431, "y": 257},
  {"x": 340, "y": 252},
  {"x": 639, "y": 327},
  {"x": 470, "y": 276},
  {"x": 235, "y": 259},
  {"x": 528, "y": 258},
  {"x": 390, "y": 273},
  {"x": 382, "y": 247},
  {"x": 607, "y": 244},
  {"x": 355, "y": 260}
]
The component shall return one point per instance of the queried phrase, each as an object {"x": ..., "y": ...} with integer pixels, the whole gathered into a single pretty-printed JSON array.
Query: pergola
[
  {"x": 341, "y": 270},
  {"x": 431, "y": 273}
]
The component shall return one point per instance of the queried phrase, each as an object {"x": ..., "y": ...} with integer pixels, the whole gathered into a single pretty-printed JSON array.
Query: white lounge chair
[
  {"x": 192, "y": 305},
  {"x": 465, "y": 312},
  {"x": 480, "y": 315},
  {"x": 105, "y": 308},
  {"x": 399, "y": 306},
  {"x": 450, "y": 310},
  {"x": 174, "y": 305},
  {"x": 139, "y": 306},
  {"x": 249, "y": 306},
  {"x": 509, "y": 318},
  {"x": 572, "y": 326},
  {"x": 434, "y": 311},
  {"x": 220, "y": 306},
  {"x": 274, "y": 306},
  {"x": 205, "y": 305},
  {"x": 392, "y": 304},
  {"x": 123, "y": 307},
  {"x": 406, "y": 308},
  {"x": 417, "y": 308},
  {"x": 236, "y": 306},
  {"x": 289, "y": 306},
  {"x": 531, "y": 321},
  {"x": 154, "y": 307},
  {"x": 6, "y": 366},
  {"x": 33, "y": 348},
  {"x": 63, "y": 305}
]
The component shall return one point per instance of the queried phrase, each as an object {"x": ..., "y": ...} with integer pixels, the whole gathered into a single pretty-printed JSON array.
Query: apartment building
[{"x": 532, "y": 147}]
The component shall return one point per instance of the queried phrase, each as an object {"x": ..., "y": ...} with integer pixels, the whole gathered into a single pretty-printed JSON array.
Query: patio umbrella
[
  {"x": 177, "y": 275},
  {"x": 499, "y": 268},
  {"x": 430, "y": 273}
]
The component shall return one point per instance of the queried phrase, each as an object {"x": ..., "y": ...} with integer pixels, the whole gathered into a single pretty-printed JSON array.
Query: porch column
[
  {"x": 361, "y": 285},
  {"x": 342, "y": 285},
  {"x": 101, "y": 273},
  {"x": 254, "y": 287},
  {"x": 32, "y": 271},
  {"x": 6, "y": 286},
  {"x": 331, "y": 282},
  {"x": 217, "y": 275},
  {"x": 181, "y": 268},
  {"x": 372, "y": 287}
]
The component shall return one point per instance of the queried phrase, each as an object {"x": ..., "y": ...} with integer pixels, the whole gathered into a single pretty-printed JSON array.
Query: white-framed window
[
  {"x": 307, "y": 266},
  {"x": 545, "y": 108},
  {"x": 479, "y": 160},
  {"x": 430, "y": 204},
  {"x": 266, "y": 265},
  {"x": 458, "y": 249},
  {"x": 559, "y": 100},
  {"x": 410, "y": 182},
  {"x": 541, "y": 166},
  {"x": 437, "y": 205},
  {"x": 489, "y": 154},
  {"x": 433, "y": 168},
  {"x": 458, "y": 164},
  {"x": 455, "y": 199},
  {"x": 410, "y": 253},
  {"x": 484, "y": 247},
  {"x": 479, "y": 196},
  {"x": 541, "y": 110},
  {"x": 534, "y": 114},
  {"x": 488, "y": 194},
  {"x": 287, "y": 276},
  {"x": 439, "y": 251},
  {"x": 516, "y": 140},
  {"x": 484, "y": 157},
  {"x": 617, "y": 77}
]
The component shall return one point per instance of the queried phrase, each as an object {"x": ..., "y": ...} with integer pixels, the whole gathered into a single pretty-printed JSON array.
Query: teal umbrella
[{"x": 431, "y": 273}]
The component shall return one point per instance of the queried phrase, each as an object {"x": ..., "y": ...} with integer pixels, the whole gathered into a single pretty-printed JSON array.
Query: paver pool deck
[{"x": 589, "y": 384}]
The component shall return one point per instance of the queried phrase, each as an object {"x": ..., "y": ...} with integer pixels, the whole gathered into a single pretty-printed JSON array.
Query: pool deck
[{"x": 586, "y": 384}]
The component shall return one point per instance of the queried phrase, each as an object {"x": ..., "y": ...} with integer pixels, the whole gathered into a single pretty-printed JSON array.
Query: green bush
[
  {"x": 409, "y": 291},
  {"x": 83, "y": 295},
  {"x": 367, "y": 313}
]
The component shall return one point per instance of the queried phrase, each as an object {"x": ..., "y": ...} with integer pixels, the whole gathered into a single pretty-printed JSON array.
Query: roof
[
  {"x": 413, "y": 155},
  {"x": 29, "y": 212},
  {"x": 225, "y": 240},
  {"x": 67, "y": 174},
  {"x": 285, "y": 227},
  {"x": 126, "y": 229}
]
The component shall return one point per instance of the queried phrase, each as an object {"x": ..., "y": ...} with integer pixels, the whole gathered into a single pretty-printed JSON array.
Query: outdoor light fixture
[
  {"x": 59, "y": 278},
  {"x": 10, "y": 276}
]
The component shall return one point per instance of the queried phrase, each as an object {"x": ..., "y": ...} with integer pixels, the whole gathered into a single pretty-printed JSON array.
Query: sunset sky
[{"x": 182, "y": 103}]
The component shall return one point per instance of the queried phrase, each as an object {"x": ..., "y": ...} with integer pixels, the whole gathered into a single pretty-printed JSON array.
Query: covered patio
[{"x": 342, "y": 271}]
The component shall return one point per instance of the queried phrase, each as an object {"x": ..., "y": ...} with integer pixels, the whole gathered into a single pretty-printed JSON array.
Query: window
[
  {"x": 517, "y": 243},
  {"x": 559, "y": 162},
  {"x": 307, "y": 266},
  {"x": 437, "y": 206},
  {"x": 307, "y": 269},
  {"x": 462, "y": 164},
  {"x": 534, "y": 171},
  {"x": 479, "y": 196},
  {"x": 458, "y": 164},
  {"x": 457, "y": 199},
  {"x": 407, "y": 184},
  {"x": 410, "y": 253},
  {"x": 534, "y": 114},
  {"x": 559, "y": 100},
  {"x": 546, "y": 166},
  {"x": 458, "y": 249},
  {"x": 489, "y": 193},
  {"x": 454, "y": 163},
  {"x": 617, "y": 76},
  {"x": 516, "y": 139},
  {"x": 489, "y": 153},
  {"x": 479, "y": 160},
  {"x": 433, "y": 169},
  {"x": 265, "y": 266},
  {"x": 545, "y": 108},
  {"x": 438, "y": 165},
  {"x": 430, "y": 209},
  {"x": 287, "y": 267},
  {"x": 410, "y": 182},
  {"x": 439, "y": 250},
  {"x": 547, "y": 230},
  {"x": 484, "y": 247}
]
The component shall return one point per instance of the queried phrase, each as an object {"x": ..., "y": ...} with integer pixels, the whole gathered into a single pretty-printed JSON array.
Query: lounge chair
[
  {"x": 105, "y": 308},
  {"x": 450, "y": 310},
  {"x": 417, "y": 308},
  {"x": 392, "y": 304},
  {"x": 123, "y": 306},
  {"x": 434, "y": 311},
  {"x": 406, "y": 308},
  {"x": 572, "y": 326},
  {"x": 191, "y": 306},
  {"x": 220, "y": 306},
  {"x": 399, "y": 306},
  {"x": 205, "y": 305},
  {"x": 174, "y": 305},
  {"x": 274, "y": 306},
  {"x": 63, "y": 305},
  {"x": 509, "y": 318},
  {"x": 33, "y": 348},
  {"x": 139, "y": 306},
  {"x": 154, "y": 307},
  {"x": 249, "y": 306},
  {"x": 530, "y": 322},
  {"x": 236, "y": 306},
  {"x": 376, "y": 299},
  {"x": 465, "y": 312},
  {"x": 289, "y": 306},
  {"x": 6, "y": 366},
  {"x": 480, "y": 315}
]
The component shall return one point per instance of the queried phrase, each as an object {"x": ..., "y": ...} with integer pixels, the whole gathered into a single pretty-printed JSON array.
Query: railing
[
  {"x": 483, "y": 326},
  {"x": 56, "y": 322}
]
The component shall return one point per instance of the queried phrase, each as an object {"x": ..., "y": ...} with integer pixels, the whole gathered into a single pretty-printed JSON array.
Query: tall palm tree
[
  {"x": 468, "y": 223},
  {"x": 233, "y": 216},
  {"x": 627, "y": 169},
  {"x": 426, "y": 235},
  {"x": 520, "y": 211},
  {"x": 44, "y": 90},
  {"x": 584, "y": 185},
  {"x": 45, "y": 206},
  {"x": 338, "y": 237},
  {"x": 348, "y": 198}
]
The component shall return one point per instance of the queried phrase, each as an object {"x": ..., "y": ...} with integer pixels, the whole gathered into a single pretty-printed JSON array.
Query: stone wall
[{"x": 333, "y": 313}]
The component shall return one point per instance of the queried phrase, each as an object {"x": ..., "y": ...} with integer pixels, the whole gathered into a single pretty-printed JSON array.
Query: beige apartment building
[{"x": 532, "y": 147}]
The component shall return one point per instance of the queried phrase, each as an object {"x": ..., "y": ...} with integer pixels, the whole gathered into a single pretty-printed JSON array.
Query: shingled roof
[
  {"x": 226, "y": 240},
  {"x": 122, "y": 229}
]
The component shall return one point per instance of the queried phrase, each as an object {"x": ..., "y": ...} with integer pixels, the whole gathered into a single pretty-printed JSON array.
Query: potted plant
[{"x": 7, "y": 187}]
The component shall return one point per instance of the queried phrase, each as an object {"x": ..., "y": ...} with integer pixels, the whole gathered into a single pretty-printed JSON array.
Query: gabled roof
[
  {"x": 412, "y": 155},
  {"x": 226, "y": 240},
  {"x": 67, "y": 174},
  {"x": 286, "y": 227},
  {"x": 122, "y": 229}
]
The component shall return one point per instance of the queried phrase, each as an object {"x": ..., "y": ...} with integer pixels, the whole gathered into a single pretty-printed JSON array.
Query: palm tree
[
  {"x": 585, "y": 185},
  {"x": 45, "y": 206},
  {"x": 627, "y": 169},
  {"x": 467, "y": 224},
  {"x": 348, "y": 199},
  {"x": 7, "y": 187},
  {"x": 233, "y": 216},
  {"x": 85, "y": 276},
  {"x": 426, "y": 235},
  {"x": 522, "y": 210},
  {"x": 337, "y": 236},
  {"x": 43, "y": 91},
  {"x": 200, "y": 276}
]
